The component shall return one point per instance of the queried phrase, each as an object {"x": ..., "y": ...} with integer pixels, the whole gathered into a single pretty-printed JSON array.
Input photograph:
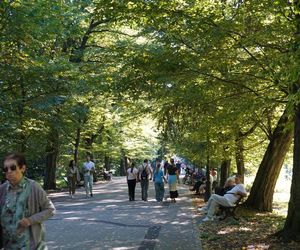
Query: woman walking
[
  {"x": 159, "y": 183},
  {"x": 131, "y": 175},
  {"x": 73, "y": 177},
  {"x": 24, "y": 206},
  {"x": 173, "y": 179}
]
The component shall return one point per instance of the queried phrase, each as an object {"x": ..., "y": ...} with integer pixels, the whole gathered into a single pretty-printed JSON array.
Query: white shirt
[
  {"x": 87, "y": 167},
  {"x": 133, "y": 175},
  {"x": 231, "y": 194}
]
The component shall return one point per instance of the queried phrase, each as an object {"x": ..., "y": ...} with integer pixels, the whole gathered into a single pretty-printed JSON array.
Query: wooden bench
[{"x": 230, "y": 211}]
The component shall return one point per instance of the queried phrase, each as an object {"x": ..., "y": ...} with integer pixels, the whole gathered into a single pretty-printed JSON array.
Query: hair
[
  {"x": 71, "y": 163},
  {"x": 231, "y": 179},
  {"x": 132, "y": 166},
  {"x": 172, "y": 160},
  {"x": 18, "y": 157},
  {"x": 158, "y": 166},
  {"x": 146, "y": 161}
]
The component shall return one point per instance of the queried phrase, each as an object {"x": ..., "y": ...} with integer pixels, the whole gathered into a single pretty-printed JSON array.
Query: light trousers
[
  {"x": 88, "y": 184},
  {"x": 214, "y": 202}
]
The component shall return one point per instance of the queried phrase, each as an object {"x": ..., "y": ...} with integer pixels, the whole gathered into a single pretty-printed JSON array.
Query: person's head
[
  {"x": 158, "y": 165},
  {"x": 145, "y": 161},
  {"x": 71, "y": 163},
  {"x": 230, "y": 181},
  {"x": 14, "y": 166},
  {"x": 172, "y": 161},
  {"x": 238, "y": 179},
  {"x": 88, "y": 158},
  {"x": 157, "y": 161}
]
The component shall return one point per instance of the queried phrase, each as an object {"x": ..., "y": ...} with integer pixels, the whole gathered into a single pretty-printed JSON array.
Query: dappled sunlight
[{"x": 228, "y": 230}]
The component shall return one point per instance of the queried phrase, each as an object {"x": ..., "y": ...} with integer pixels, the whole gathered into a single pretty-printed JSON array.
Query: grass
[{"x": 253, "y": 231}]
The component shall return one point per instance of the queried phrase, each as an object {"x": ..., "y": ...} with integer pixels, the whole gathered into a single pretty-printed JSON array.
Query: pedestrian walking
[
  {"x": 159, "y": 179},
  {"x": 173, "y": 179},
  {"x": 145, "y": 174},
  {"x": 73, "y": 177},
  {"x": 88, "y": 171},
  {"x": 24, "y": 206},
  {"x": 131, "y": 175}
]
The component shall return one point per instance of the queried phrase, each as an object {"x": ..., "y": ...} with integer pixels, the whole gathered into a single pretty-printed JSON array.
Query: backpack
[{"x": 144, "y": 174}]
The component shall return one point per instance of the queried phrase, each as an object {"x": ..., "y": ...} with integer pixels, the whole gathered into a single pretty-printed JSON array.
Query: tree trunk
[
  {"x": 76, "y": 146},
  {"x": 291, "y": 229},
  {"x": 51, "y": 159},
  {"x": 261, "y": 195},
  {"x": 239, "y": 157},
  {"x": 225, "y": 169},
  {"x": 106, "y": 163},
  {"x": 208, "y": 183}
]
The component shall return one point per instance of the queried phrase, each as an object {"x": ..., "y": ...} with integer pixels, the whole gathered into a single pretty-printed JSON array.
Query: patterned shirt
[{"x": 14, "y": 210}]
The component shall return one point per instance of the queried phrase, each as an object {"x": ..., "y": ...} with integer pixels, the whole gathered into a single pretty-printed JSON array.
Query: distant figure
[
  {"x": 173, "y": 178},
  {"x": 166, "y": 165},
  {"x": 24, "y": 206},
  {"x": 159, "y": 179},
  {"x": 178, "y": 166},
  {"x": 73, "y": 177},
  {"x": 88, "y": 171},
  {"x": 145, "y": 174},
  {"x": 131, "y": 175}
]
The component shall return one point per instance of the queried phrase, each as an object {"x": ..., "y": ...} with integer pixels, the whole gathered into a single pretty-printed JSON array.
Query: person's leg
[
  {"x": 146, "y": 189},
  {"x": 86, "y": 184},
  {"x": 156, "y": 186},
  {"x": 131, "y": 184},
  {"x": 207, "y": 206},
  {"x": 91, "y": 184},
  {"x": 216, "y": 201},
  {"x": 70, "y": 186},
  {"x": 162, "y": 192},
  {"x": 73, "y": 184},
  {"x": 133, "y": 189},
  {"x": 197, "y": 186},
  {"x": 129, "y": 189},
  {"x": 143, "y": 189}
]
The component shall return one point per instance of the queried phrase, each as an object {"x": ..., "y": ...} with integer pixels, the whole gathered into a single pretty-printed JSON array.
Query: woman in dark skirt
[{"x": 173, "y": 179}]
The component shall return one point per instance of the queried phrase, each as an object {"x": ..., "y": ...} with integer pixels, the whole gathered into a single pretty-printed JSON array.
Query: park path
[{"x": 110, "y": 221}]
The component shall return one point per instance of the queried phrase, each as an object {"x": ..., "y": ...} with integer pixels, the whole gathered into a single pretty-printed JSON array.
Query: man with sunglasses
[{"x": 24, "y": 205}]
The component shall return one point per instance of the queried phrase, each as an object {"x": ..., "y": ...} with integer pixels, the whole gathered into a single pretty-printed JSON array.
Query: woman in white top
[{"x": 131, "y": 175}]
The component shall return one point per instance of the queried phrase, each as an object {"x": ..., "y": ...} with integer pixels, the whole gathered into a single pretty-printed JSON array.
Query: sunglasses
[{"x": 12, "y": 168}]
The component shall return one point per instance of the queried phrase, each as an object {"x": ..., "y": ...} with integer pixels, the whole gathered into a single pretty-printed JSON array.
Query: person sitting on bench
[
  {"x": 229, "y": 184},
  {"x": 198, "y": 184},
  {"x": 228, "y": 200}
]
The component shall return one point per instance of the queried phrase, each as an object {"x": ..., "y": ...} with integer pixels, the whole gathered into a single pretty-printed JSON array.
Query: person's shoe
[
  {"x": 91, "y": 195},
  {"x": 207, "y": 219}
]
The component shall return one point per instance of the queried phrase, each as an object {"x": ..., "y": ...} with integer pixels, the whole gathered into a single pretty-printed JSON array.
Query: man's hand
[{"x": 24, "y": 222}]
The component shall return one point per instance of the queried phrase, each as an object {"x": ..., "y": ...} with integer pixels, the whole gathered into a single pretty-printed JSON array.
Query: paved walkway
[{"x": 110, "y": 221}]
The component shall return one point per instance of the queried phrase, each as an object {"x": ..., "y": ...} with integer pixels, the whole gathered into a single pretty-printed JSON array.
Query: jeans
[{"x": 159, "y": 191}]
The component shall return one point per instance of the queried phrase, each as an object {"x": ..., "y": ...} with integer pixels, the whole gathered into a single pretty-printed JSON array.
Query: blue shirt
[{"x": 158, "y": 176}]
